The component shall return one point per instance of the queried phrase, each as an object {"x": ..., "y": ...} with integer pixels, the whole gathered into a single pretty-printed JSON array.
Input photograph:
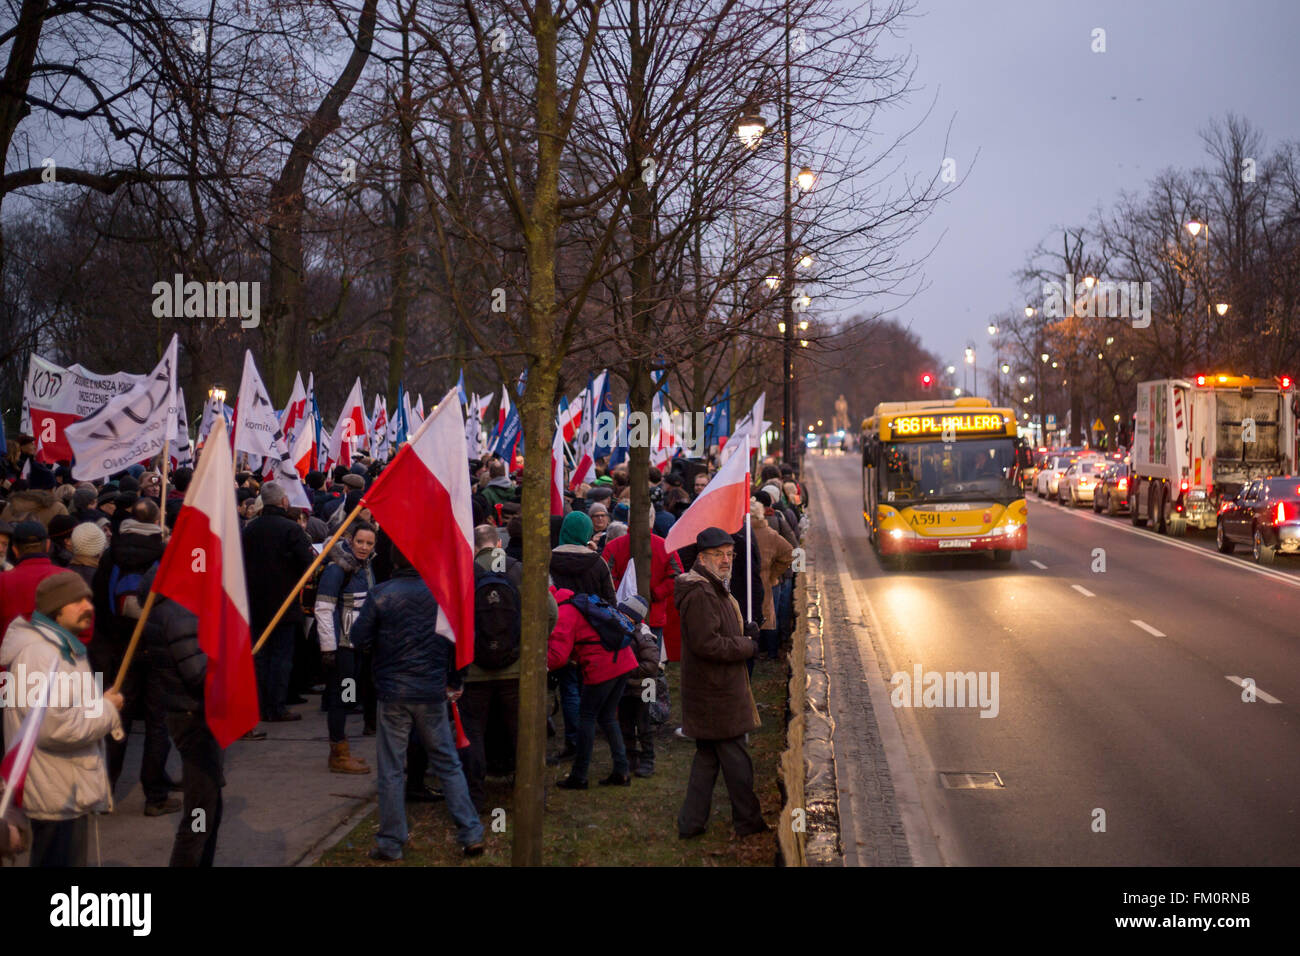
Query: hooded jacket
[
  {"x": 35, "y": 504},
  {"x": 68, "y": 775},
  {"x": 135, "y": 548},
  {"x": 573, "y": 638},
  {"x": 581, "y": 570},
  {"x": 663, "y": 569},
  {"x": 340, "y": 597},
  {"x": 499, "y": 491},
  {"x": 716, "y": 699}
]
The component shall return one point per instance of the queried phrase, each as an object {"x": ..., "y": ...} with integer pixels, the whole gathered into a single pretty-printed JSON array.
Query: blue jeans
[
  {"x": 395, "y": 719},
  {"x": 570, "y": 696},
  {"x": 274, "y": 664},
  {"x": 600, "y": 706}
]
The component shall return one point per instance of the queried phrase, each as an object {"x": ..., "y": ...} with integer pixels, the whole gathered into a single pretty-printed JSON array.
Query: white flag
[
  {"x": 181, "y": 449},
  {"x": 131, "y": 428},
  {"x": 257, "y": 432},
  {"x": 751, "y": 426}
]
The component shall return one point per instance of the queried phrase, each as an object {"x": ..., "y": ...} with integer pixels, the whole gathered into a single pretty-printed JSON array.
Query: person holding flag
[
  {"x": 205, "y": 663},
  {"x": 420, "y": 622}
]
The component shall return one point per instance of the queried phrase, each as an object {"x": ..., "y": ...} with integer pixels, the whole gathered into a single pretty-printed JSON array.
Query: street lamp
[
  {"x": 1222, "y": 308},
  {"x": 993, "y": 329},
  {"x": 773, "y": 281},
  {"x": 806, "y": 179},
  {"x": 750, "y": 128},
  {"x": 803, "y": 325},
  {"x": 952, "y": 370},
  {"x": 1029, "y": 312},
  {"x": 806, "y": 261},
  {"x": 1044, "y": 357},
  {"x": 217, "y": 394}
]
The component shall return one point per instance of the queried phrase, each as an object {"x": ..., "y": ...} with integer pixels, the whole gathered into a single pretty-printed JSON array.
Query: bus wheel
[{"x": 1001, "y": 557}]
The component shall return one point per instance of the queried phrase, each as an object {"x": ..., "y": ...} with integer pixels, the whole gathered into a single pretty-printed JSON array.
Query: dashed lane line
[
  {"x": 1148, "y": 628},
  {"x": 1266, "y": 698},
  {"x": 1038, "y": 564}
]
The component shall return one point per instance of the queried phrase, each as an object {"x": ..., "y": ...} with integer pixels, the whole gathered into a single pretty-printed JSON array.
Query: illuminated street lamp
[
  {"x": 780, "y": 327},
  {"x": 952, "y": 370},
  {"x": 1089, "y": 281},
  {"x": 773, "y": 281},
  {"x": 803, "y": 325},
  {"x": 1194, "y": 226},
  {"x": 806, "y": 179},
  {"x": 1044, "y": 356},
  {"x": 1023, "y": 380},
  {"x": 217, "y": 394},
  {"x": 806, "y": 261},
  {"x": 1029, "y": 312},
  {"x": 750, "y": 128},
  {"x": 1221, "y": 308}
]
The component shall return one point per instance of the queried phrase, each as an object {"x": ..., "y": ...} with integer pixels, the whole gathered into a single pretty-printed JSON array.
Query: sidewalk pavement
[{"x": 282, "y": 806}]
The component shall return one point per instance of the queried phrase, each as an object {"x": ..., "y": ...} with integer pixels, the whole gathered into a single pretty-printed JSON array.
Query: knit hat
[
  {"x": 61, "y": 526},
  {"x": 576, "y": 528},
  {"x": 774, "y": 490},
  {"x": 635, "y": 607},
  {"x": 597, "y": 508},
  {"x": 604, "y": 480},
  {"x": 88, "y": 541},
  {"x": 128, "y": 484},
  {"x": 353, "y": 480},
  {"x": 58, "y": 590}
]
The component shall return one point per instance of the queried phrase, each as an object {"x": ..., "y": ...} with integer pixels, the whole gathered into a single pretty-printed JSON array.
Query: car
[
  {"x": 1264, "y": 516},
  {"x": 1079, "y": 481},
  {"x": 1045, "y": 482},
  {"x": 1111, "y": 493}
]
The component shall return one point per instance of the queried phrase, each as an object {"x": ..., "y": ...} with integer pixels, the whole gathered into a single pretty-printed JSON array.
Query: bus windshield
[{"x": 967, "y": 470}]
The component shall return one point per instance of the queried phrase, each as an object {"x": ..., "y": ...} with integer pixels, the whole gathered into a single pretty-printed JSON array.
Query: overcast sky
[{"x": 1060, "y": 130}]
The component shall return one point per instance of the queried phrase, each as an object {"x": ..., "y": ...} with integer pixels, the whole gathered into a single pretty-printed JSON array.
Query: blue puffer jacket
[{"x": 412, "y": 661}]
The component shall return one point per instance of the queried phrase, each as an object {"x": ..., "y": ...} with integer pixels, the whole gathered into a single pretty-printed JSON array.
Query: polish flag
[
  {"x": 303, "y": 453},
  {"x": 349, "y": 429},
  {"x": 422, "y": 499},
  {"x": 723, "y": 503},
  {"x": 13, "y": 768},
  {"x": 571, "y": 415},
  {"x": 557, "y": 473},
  {"x": 202, "y": 570}
]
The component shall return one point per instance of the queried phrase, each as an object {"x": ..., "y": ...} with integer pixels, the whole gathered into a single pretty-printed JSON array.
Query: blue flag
[
  {"x": 717, "y": 422},
  {"x": 403, "y": 425},
  {"x": 460, "y": 388},
  {"x": 602, "y": 403}
]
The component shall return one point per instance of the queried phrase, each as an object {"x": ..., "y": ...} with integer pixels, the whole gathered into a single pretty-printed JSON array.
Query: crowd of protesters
[{"x": 76, "y": 564}]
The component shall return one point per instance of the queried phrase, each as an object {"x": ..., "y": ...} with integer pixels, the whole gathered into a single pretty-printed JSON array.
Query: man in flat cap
[
  {"x": 717, "y": 705},
  {"x": 67, "y": 779}
]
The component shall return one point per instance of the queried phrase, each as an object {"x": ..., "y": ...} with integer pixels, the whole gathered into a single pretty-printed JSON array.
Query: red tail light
[
  {"x": 1286, "y": 382},
  {"x": 1122, "y": 485},
  {"x": 1200, "y": 380},
  {"x": 1183, "y": 487},
  {"x": 1286, "y": 511}
]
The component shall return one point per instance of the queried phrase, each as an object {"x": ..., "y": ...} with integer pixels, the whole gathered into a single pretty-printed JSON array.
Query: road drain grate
[{"x": 977, "y": 780}]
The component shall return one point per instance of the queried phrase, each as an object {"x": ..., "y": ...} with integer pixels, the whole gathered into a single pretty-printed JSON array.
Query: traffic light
[{"x": 927, "y": 381}]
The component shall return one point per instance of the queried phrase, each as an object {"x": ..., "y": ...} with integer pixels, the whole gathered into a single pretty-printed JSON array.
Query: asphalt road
[{"x": 1121, "y": 734}]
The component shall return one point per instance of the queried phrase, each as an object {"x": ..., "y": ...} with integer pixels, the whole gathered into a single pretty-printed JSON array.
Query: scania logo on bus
[{"x": 912, "y": 425}]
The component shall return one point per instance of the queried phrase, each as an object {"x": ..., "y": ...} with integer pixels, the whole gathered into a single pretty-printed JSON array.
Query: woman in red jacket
[{"x": 603, "y": 675}]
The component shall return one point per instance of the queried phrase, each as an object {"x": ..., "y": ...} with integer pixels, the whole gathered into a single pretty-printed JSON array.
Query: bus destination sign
[{"x": 918, "y": 426}]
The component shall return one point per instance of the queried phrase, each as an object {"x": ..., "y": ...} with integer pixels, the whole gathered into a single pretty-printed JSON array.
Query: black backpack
[{"x": 497, "y": 620}]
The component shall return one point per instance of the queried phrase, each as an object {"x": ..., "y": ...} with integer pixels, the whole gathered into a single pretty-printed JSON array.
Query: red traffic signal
[{"x": 927, "y": 380}]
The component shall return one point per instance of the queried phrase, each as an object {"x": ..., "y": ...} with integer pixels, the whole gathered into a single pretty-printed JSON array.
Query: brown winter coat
[
  {"x": 716, "y": 700},
  {"x": 775, "y": 557},
  {"x": 37, "y": 504}
]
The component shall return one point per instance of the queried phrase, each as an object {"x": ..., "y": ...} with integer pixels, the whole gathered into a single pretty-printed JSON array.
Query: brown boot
[{"x": 341, "y": 761}]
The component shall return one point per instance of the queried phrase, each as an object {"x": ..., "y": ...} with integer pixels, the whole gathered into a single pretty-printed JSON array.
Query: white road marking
[
  {"x": 1082, "y": 590},
  {"x": 1173, "y": 543},
  {"x": 1038, "y": 564},
  {"x": 1266, "y": 698},
  {"x": 923, "y": 823},
  {"x": 1148, "y": 628}
]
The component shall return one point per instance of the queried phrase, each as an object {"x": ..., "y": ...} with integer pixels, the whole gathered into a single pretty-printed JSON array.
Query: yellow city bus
[{"x": 943, "y": 477}]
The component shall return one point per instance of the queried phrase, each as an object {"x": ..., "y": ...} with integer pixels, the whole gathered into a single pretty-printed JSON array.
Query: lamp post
[
  {"x": 750, "y": 129},
  {"x": 1196, "y": 226},
  {"x": 970, "y": 360},
  {"x": 1030, "y": 312}
]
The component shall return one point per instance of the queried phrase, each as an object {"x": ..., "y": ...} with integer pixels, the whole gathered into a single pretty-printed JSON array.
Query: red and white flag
[
  {"x": 723, "y": 503},
  {"x": 348, "y": 431},
  {"x": 303, "y": 453},
  {"x": 422, "y": 500},
  {"x": 557, "y": 473},
  {"x": 202, "y": 569},
  {"x": 258, "y": 434},
  {"x": 570, "y": 415},
  {"x": 295, "y": 413},
  {"x": 13, "y": 767}
]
